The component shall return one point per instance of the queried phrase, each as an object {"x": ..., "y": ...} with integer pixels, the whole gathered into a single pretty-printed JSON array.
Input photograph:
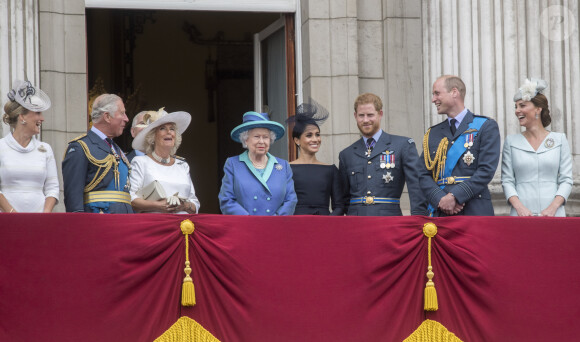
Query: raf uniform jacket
[
  {"x": 78, "y": 171},
  {"x": 242, "y": 193},
  {"x": 473, "y": 191},
  {"x": 363, "y": 176}
]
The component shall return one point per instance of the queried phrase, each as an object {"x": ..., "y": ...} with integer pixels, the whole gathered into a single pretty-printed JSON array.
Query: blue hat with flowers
[{"x": 253, "y": 120}]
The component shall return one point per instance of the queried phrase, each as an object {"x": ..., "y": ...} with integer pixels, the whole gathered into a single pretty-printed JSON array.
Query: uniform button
[
  {"x": 255, "y": 209},
  {"x": 267, "y": 210},
  {"x": 368, "y": 192},
  {"x": 369, "y": 176},
  {"x": 370, "y": 162},
  {"x": 268, "y": 198},
  {"x": 353, "y": 172},
  {"x": 479, "y": 196},
  {"x": 255, "y": 197}
]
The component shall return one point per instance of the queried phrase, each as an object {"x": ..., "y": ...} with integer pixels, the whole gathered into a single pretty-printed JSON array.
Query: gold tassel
[
  {"x": 430, "y": 230},
  {"x": 187, "y": 290}
]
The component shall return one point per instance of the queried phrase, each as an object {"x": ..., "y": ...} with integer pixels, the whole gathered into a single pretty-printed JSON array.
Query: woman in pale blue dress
[{"x": 536, "y": 171}]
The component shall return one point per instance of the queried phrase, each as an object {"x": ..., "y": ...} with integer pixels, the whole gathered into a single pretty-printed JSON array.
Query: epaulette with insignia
[
  {"x": 180, "y": 158},
  {"x": 79, "y": 137}
]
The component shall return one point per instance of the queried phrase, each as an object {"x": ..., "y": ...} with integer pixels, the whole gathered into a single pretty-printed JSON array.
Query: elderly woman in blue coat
[{"x": 256, "y": 182}]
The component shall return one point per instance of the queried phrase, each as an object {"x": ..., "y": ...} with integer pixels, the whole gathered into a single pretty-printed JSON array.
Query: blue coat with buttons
[{"x": 245, "y": 192}]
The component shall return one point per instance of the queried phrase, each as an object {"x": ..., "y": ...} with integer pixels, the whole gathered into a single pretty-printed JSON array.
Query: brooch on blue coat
[{"x": 279, "y": 167}]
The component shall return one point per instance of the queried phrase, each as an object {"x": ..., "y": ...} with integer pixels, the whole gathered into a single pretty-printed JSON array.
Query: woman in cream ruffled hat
[
  {"x": 536, "y": 170},
  {"x": 160, "y": 140}
]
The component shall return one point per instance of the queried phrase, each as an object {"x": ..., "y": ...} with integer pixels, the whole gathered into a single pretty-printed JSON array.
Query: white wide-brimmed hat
[
  {"x": 29, "y": 97},
  {"x": 156, "y": 119}
]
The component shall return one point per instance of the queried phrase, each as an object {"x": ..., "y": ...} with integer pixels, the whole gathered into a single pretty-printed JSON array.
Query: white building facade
[{"x": 394, "y": 48}]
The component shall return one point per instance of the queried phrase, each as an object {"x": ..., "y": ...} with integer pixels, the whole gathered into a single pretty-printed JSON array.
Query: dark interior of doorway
[{"x": 199, "y": 62}]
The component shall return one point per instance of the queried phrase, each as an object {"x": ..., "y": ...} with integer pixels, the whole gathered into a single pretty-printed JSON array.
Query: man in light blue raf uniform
[
  {"x": 375, "y": 168},
  {"x": 460, "y": 155},
  {"x": 95, "y": 171}
]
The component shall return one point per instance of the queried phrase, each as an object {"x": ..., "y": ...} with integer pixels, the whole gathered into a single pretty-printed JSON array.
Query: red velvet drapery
[{"x": 90, "y": 277}]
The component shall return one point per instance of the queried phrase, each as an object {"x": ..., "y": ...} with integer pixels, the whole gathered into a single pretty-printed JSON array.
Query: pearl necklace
[
  {"x": 259, "y": 166},
  {"x": 159, "y": 159}
]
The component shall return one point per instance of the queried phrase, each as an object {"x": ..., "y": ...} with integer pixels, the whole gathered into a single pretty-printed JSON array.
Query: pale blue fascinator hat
[{"x": 530, "y": 89}]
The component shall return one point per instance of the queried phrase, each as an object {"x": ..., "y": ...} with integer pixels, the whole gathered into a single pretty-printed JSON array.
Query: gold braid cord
[
  {"x": 438, "y": 163},
  {"x": 186, "y": 330},
  {"x": 430, "y": 230},
  {"x": 188, "y": 290},
  {"x": 106, "y": 163},
  {"x": 432, "y": 331}
]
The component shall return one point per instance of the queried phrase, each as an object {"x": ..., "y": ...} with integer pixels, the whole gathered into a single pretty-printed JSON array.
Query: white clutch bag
[{"x": 152, "y": 192}]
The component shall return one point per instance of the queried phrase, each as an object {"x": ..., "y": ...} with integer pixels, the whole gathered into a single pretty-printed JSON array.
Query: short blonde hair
[
  {"x": 452, "y": 81},
  {"x": 12, "y": 110},
  {"x": 368, "y": 98},
  {"x": 150, "y": 141}
]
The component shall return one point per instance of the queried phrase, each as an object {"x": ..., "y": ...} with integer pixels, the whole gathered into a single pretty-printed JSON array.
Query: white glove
[{"x": 174, "y": 200}]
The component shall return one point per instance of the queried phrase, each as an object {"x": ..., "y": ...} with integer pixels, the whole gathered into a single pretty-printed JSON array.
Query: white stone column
[
  {"x": 18, "y": 47},
  {"x": 63, "y": 74},
  {"x": 493, "y": 46},
  {"x": 330, "y": 68}
]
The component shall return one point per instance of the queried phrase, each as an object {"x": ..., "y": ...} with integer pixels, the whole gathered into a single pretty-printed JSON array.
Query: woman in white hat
[
  {"x": 536, "y": 170},
  {"x": 28, "y": 176},
  {"x": 256, "y": 182},
  {"x": 160, "y": 169}
]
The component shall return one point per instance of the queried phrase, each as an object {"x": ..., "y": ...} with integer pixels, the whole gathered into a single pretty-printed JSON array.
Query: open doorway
[{"x": 199, "y": 62}]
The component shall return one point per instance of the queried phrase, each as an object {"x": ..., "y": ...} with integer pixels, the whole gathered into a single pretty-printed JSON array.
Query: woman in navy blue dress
[{"x": 318, "y": 186}]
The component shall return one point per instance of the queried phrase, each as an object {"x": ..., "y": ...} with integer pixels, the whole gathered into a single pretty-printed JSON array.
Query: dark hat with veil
[{"x": 308, "y": 113}]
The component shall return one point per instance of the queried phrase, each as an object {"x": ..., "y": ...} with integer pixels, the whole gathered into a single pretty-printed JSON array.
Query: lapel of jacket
[
  {"x": 97, "y": 141},
  {"x": 445, "y": 131},
  {"x": 467, "y": 119},
  {"x": 360, "y": 148},
  {"x": 245, "y": 159},
  {"x": 382, "y": 145}
]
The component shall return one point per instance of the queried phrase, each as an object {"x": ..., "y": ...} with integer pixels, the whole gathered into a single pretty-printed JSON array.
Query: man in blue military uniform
[
  {"x": 375, "y": 168},
  {"x": 460, "y": 155},
  {"x": 95, "y": 171}
]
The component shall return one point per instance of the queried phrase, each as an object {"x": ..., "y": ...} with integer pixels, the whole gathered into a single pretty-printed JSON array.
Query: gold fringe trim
[
  {"x": 186, "y": 330},
  {"x": 436, "y": 165},
  {"x": 188, "y": 290},
  {"x": 432, "y": 331},
  {"x": 430, "y": 230}
]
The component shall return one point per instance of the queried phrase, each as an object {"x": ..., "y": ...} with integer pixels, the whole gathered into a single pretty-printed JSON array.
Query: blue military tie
[
  {"x": 370, "y": 144},
  {"x": 452, "y": 126}
]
